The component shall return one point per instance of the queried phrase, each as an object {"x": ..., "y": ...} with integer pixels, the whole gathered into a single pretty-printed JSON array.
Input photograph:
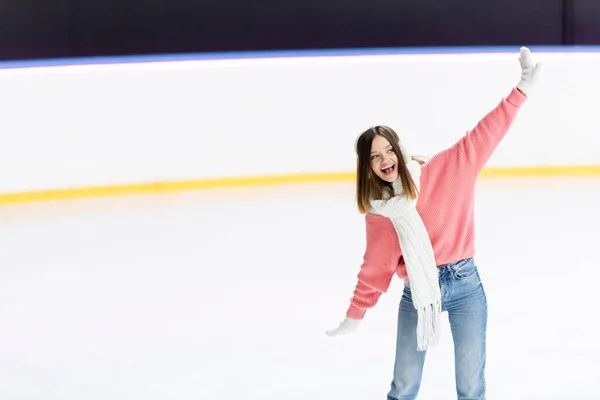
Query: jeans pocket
[{"x": 465, "y": 269}]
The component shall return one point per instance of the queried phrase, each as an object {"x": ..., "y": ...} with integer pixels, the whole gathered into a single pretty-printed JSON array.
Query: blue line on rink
[{"x": 288, "y": 53}]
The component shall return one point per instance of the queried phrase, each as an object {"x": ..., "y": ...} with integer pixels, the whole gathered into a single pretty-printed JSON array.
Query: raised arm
[{"x": 476, "y": 147}]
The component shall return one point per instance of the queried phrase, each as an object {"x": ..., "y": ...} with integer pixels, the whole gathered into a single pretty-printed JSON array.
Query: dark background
[{"x": 37, "y": 29}]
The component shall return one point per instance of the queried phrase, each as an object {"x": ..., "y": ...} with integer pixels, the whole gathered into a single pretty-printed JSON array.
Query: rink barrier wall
[{"x": 129, "y": 125}]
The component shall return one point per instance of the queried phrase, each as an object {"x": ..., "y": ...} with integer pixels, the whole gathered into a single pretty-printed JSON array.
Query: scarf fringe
[{"x": 428, "y": 325}]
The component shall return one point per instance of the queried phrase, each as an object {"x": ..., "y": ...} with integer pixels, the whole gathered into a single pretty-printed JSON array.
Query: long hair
[{"x": 368, "y": 185}]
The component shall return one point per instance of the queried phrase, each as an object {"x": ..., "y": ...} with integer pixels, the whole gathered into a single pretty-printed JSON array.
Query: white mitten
[
  {"x": 529, "y": 71},
  {"x": 348, "y": 325}
]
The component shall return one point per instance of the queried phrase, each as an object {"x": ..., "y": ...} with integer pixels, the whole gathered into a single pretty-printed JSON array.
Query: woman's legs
[
  {"x": 464, "y": 299},
  {"x": 408, "y": 367}
]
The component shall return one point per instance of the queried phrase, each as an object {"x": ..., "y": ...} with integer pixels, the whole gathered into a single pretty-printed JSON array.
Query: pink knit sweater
[{"x": 445, "y": 204}]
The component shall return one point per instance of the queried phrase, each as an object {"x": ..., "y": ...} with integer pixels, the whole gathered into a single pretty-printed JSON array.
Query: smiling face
[
  {"x": 380, "y": 162},
  {"x": 384, "y": 161}
]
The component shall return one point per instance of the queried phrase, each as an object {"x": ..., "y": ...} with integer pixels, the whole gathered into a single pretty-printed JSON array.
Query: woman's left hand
[{"x": 529, "y": 71}]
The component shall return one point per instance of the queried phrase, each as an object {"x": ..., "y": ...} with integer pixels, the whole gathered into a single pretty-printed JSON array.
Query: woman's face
[{"x": 384, "y": 161}]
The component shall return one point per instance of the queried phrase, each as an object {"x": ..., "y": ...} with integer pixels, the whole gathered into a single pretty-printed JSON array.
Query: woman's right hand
[{"x": 348, "y": 325}]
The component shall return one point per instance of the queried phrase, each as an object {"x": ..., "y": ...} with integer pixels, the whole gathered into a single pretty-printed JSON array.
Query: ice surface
[{"x": 227, "y": 294}]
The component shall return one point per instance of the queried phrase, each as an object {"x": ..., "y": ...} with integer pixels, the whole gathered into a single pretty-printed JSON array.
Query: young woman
[{"x": 441, "y": 194}]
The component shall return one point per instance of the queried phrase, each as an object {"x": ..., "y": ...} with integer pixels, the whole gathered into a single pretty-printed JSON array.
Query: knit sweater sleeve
[
  {"x": 476, "y": 147},
  {"x": 380, "y": 263}
]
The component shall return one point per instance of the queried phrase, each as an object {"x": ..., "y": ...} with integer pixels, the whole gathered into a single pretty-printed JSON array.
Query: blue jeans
[{"x": 463, "y": 297}]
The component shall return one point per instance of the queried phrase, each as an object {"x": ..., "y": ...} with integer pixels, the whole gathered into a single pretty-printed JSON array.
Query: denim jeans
[{"x": 463, "y": 297}]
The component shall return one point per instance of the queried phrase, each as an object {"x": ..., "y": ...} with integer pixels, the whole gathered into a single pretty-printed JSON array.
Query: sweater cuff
[
  {"x": 516, "y": 97},
  {"x": 355, "y": 312}
]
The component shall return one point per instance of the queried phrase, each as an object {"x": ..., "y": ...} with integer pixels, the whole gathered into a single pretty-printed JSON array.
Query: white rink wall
[{"x": 90, "y": 125}]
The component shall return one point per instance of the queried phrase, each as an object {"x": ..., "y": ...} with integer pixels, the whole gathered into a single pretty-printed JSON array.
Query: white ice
[{"x": 227, "y": 294}]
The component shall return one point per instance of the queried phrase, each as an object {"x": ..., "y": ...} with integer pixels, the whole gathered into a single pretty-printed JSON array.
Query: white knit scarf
[{"x": 418, "y": 255}]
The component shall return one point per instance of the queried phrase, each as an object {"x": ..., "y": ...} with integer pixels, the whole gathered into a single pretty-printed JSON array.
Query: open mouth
[{"x": 389, "y": 170}]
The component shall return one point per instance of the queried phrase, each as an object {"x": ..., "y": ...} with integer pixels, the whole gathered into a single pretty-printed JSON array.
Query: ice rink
[{"x": 226, "y": 294}]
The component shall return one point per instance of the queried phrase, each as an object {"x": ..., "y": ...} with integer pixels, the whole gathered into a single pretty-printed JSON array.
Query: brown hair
[{"x": 368, "y": 185}]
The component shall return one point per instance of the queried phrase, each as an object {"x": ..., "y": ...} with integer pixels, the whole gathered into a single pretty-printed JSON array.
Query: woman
[{"x": 444, "y": 204}]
